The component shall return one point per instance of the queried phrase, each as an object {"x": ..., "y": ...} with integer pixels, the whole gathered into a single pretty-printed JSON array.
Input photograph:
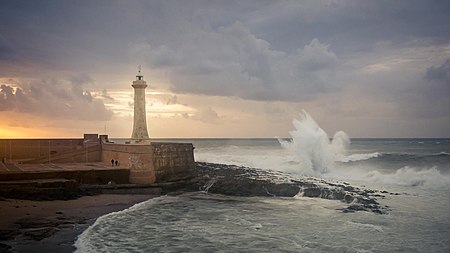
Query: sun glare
[
  {"x": 7, "y": 132},
  {"x": 12, "y": 133}
]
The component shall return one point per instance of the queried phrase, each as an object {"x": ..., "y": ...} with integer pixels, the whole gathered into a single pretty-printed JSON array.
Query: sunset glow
[{"x": 241, "y": 70}]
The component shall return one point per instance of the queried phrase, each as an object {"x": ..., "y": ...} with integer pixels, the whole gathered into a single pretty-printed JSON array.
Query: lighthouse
[{"x": 140, "y": 133}]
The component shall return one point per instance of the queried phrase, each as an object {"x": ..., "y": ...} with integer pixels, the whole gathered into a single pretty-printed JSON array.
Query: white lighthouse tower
[{"x": 140, "y": 134}]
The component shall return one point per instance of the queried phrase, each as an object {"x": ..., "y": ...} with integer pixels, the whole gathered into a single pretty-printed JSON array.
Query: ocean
[{"x": 418, "y": 220}]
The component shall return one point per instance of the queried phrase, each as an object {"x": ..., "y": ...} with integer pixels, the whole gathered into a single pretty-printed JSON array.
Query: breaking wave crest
[
  {"x": 357, "y": 157},
  {"x": 91, "y": 240},
  {"x": 408, "y": 176},
  {"x": 315, "y": 155},
  {"x": 313, "y": 149}
]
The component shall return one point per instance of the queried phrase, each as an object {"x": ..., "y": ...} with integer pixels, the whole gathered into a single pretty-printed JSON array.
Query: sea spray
[
  {"x": 408, "y": 176},
  {"x": 403, "y": 162},
  {"x": 315, "y": 155},
  {"x": 313, "y": 149}
]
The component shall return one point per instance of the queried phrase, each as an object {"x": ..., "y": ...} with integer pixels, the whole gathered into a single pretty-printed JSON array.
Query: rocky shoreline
[
  {"x": 243, "y": 181},
  {"x": 32, "y": 224},
  {"x": 53, "y": 226}
]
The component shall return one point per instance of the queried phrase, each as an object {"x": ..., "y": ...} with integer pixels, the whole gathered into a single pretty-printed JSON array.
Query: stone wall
[
  {"x": 23, "y": 149},
  {"x": 138, "y": 158},
  {"x": 50, "y": 150},
  {"x": 158, "y": 162},
  {"x": 98, "y": 176},
  {"x": 172, "y": 161}
]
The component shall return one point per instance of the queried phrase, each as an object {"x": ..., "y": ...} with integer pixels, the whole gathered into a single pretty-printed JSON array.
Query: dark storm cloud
[
  {"x": 69, "y": 35},
  {"x": 53, "y": 98},
  {"x": 439, "y": 73},
  {"x": 6, "y": 51},
  {"x": 433, "y": 94},
  {"x": 424, "y": 93},
  {"x": 258, "y": 50},
  {"x": 79, "y": 34},
  {"x": 351, "y": 26},
  {"x": 231, "y": 61},
  {"x": 62, "y": 33}
]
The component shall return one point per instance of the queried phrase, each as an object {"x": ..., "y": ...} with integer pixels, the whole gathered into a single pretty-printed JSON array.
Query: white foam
[
  {"x": 317, "y": 156},
  {"x": 311, "y": 153},
  {"x": 310, "y": 144},
  {"x": 83, "y": 242},
  {"x": 408, "y": 176},
  {"x": 377, "y": 228},
  {"x": 357, "y": 157}
]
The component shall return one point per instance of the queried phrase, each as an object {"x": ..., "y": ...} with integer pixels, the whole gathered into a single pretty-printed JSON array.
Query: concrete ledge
[
  {"x": 40, "y": 189},
  {"x": 123, "y": 189},
  {"x": 96, "y": 176},
  {"x": 141, "y": 179}
]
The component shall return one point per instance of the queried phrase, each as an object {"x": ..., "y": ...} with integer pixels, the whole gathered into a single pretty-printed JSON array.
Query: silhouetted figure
[
  {"x": 112, "y": 162},
  {"x": 116, "y": 162}
]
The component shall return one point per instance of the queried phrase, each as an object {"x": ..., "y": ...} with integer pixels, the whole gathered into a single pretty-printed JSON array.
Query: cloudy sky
[{"x": 225, "y": 68}]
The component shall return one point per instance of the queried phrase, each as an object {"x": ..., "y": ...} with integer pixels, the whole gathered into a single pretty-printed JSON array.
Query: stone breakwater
[{"x": 243, "y": 181}]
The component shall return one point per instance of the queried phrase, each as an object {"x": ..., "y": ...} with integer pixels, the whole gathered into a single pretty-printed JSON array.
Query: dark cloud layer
[
  {"x": 439, "y": 73},
  {"x": 351, "y": 25},
  {"x": 390, "y": 52},
  {"x": 53, "y": 98},
  {"x": 233, "y": 62},
  {"x": 424, "y": 93}
]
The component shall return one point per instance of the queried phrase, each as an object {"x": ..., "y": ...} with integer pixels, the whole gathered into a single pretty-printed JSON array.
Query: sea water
[{"x": 418, "y": 170}]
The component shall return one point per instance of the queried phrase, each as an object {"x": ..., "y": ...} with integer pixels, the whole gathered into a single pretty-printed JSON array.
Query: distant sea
[{"x": 418, "y": 220}]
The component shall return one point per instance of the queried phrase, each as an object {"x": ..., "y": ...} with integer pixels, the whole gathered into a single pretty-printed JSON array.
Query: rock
[
  {"x": 243, "y": 181},
  {"x": 356, "y": 208},
  {"x": 348, "y": 198},
  {"x": 34, "y": 228},
  {"x": 311, "y": 192},
  {"x": 5, "y": 248},
  {"x": 377, "y": 211},
  {"x": 348, "y": 188},
  {"x": 8, "y": 234},
  {"x": 34, "y": 222},
  {"x": 38, "y": 234}
]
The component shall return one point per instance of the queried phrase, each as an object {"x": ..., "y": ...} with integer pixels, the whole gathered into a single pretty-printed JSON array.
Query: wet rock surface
[
  {"x": 38, "y": 228},
  {"x": 243, "y": 181},
  {"x": 4, "y": 248},
  {"x": 40, "y": 189}
]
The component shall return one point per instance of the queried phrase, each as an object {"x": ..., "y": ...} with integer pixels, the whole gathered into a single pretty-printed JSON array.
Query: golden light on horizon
[
  {"x": 158, "y": 103},
  {"x": 20, "y": 132}
]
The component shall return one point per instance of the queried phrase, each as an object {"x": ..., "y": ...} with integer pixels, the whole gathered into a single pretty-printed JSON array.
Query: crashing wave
[
  {"x": 357, "y": 157},
  {"x": 315, "y": 152},
  {"x": 408, "y": 176}
]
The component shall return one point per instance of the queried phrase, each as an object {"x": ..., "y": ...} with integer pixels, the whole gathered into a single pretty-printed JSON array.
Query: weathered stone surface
[
  {"x": 157, "y": 162},
  {"x": 242, "y": 181},
  {"x": 8, "y": 234},
  {"x": 5, "y": 248},
  {"x": 173, "y": 161},
  {"x": 95, "y": 176},
  {"x": 38, "y": 234},
  {"x": 33, "y": 228}
]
